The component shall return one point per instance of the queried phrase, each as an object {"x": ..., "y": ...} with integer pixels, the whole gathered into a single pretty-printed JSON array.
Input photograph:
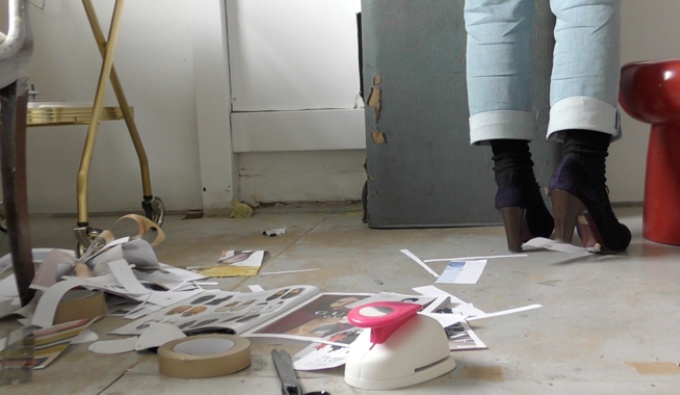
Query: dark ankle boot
[
  {"x": 580, "y": 199},
  {"x": 518, "y": 198}
]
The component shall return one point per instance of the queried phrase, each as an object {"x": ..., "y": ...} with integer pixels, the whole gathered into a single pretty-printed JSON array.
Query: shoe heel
[
  {"x": 590, "y": 234},
  {"x": 566, "y": 209},
  {"x": 513, "y": 221}
]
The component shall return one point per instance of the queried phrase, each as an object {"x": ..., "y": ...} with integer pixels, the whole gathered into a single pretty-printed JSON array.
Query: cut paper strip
[
  {"x": 55, "y": 264},
  {"x": 419, "y": 261},
  {"x": 538, "y": 243},
  {"x": 289, "y": 271},
  {"x": 445, "y": 320},
  {"x": 467, "y": 309},
  {"x": 475, "y": 258},
  {"x": 38, "y": 254},
  {"x": 505, "y": 312},
  {"x": 234, "y": 263},
  {"x": 170, "y": 277},
  {"x": 47, "y": 306},
  {"x": 122, "y": 272},
  {"x": 114, "y": 346},
  {"x": 144, "y": 225},
  {"x": 158, "y": 334},
  {"x": 92, "y": 252},
  {"x": 100, "y": 263}
]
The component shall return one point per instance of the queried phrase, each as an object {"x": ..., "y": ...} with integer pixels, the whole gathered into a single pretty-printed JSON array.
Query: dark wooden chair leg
[{"x": 13, "y": 156}]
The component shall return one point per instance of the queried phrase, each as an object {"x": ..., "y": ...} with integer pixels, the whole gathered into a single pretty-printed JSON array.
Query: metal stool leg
[
  {"x": 83, "y": 231},
  {"x": 153, "y": 206}
]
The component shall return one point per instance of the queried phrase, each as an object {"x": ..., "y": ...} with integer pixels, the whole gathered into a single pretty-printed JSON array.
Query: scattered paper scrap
[
  {"x": 47, "y": 305},
  {"x": 157, "y": 334},
  {"x": 317, "y": 356},
  {"x": 445, "y": 317},
  {"x": 462, "y": 337},
  {"x": 86, "y": 336},
  {"x": 255, "y": 288},
  {"x": 233, "y": 264},
  {"x": 475, "y": 258},
  {"x": 289, "y": 271},
  {"x": 419, "y": 261},
  {"x": 274, "y": 232},
  {"x": 538, "y": 243},
  {"x": 462, "y": 272},
  {"x": 505, "y": 312},
  {"x": 456, "y": 304},
  {"x": 118, "y": 346}
]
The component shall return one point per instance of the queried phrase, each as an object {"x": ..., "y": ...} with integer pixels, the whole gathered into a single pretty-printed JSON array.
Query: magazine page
[
  {"x": 222, "y": 311},
  {"x": 323, "y": 320}
]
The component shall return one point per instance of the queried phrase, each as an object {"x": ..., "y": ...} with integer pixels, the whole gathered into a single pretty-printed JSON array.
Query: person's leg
[
  {"x": 584, "y": 115},
  {"x": 586, "y": 67},
  {"x": 499, "y": 74},
  {"x": 499, "y": 53},
  {"x": 518, "y": 198}
]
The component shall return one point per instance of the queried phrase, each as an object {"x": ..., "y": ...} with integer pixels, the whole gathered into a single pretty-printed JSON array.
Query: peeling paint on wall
[
  {"x": 379, "y": 137},
  {"x": 375, "y": 97}
]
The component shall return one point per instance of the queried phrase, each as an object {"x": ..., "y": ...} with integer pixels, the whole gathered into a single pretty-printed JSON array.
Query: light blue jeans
[{"x": 585, "y": 77}]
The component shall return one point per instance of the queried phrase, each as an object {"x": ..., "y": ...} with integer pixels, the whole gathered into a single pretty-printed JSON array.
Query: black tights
[{"x": 590, "y": 148}]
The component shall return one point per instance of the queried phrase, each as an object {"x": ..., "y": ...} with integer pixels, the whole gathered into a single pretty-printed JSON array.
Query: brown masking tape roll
[
  {"x": 77, "y": 304},
  {"x": 203, "y": 356}
]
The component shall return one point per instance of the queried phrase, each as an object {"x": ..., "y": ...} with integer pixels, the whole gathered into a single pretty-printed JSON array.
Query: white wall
[
  {"x": 156, "y": 60},
  {"x": 298, "y": 125},
  {"x": 293, "y": 54}
]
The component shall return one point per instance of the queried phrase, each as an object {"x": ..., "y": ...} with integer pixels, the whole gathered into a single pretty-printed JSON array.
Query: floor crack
[{"x": 120, "y": 376}]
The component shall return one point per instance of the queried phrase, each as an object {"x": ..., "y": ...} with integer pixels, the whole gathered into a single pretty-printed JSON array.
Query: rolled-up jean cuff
[
  {"x": 584, "y": 113},
  {"x": 503, "y": 124}
]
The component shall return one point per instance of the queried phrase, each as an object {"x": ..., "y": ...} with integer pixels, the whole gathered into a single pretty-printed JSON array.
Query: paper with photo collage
[{"x": 222, "y": 311}]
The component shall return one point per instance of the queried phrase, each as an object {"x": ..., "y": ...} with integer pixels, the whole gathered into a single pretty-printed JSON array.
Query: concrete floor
[{"x": 609, "y": 324}]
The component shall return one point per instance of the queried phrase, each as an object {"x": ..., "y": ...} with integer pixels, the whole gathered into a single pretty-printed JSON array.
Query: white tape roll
[{"x": 202, "y": 356}]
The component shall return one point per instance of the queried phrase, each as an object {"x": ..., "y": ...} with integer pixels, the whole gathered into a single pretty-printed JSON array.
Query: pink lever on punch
[{"x": 383, "y": 318}]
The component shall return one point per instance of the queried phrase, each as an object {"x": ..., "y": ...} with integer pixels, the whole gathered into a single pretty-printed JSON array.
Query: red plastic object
[
  {"x": 383, "y": 318},
  {"x": 650, "y": 92}
]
